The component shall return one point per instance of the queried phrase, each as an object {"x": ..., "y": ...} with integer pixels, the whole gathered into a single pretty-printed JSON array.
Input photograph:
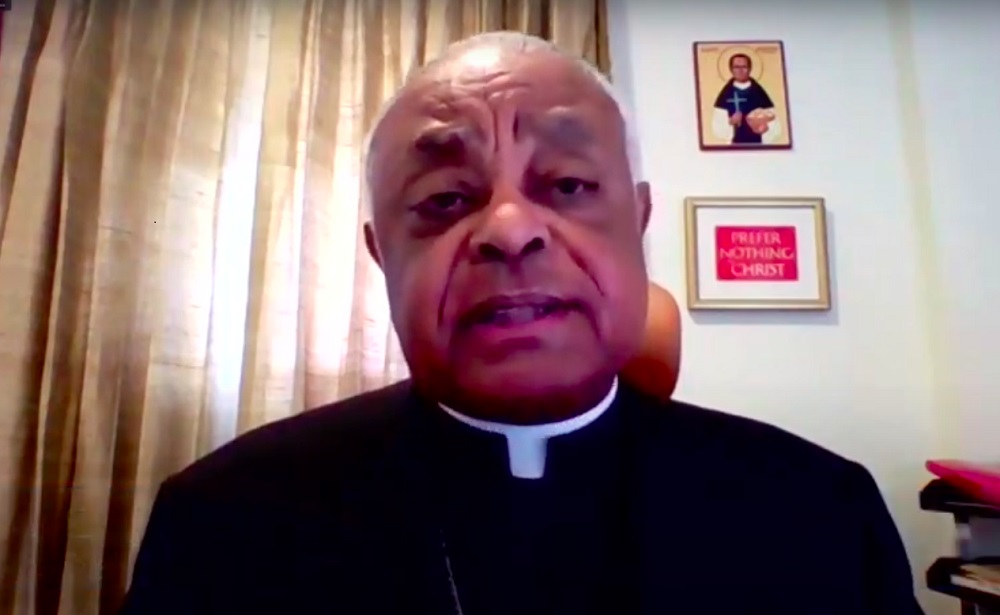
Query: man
[
  {"x": 744, "y": 113},
  {"x": 515, "y": 474}
]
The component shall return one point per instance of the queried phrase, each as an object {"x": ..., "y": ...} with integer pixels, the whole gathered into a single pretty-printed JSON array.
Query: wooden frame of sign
[{"x": 756, "y": 253}]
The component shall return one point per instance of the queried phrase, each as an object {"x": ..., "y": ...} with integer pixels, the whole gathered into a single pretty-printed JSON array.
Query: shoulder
[
  {"x": 739, "y": 446},
  {"x": 751, "y": 439},
  {"x": 328, "y": 442}
]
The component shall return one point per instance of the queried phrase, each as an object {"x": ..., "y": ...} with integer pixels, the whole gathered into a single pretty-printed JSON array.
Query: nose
[{"x": 508, "y": 232}]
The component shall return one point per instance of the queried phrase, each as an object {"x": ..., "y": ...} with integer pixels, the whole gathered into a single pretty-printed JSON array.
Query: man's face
[
  {"x": 740, "y": 68},
  {"x": 509, "y": 230}
]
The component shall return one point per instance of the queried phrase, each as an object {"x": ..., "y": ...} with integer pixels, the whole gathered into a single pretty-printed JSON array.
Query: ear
[
  {"x": 372, "y": 244},
  {"x": 645, "y": 201}
]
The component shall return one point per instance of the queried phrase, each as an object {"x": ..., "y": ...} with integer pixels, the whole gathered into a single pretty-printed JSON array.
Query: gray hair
[{"x": 505, "y": 42}]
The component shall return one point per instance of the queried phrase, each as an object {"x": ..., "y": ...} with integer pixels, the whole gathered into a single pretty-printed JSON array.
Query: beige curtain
[{"x": 180, "y": 247}]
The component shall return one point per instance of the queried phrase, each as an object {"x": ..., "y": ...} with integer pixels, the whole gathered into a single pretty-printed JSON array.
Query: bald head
[
  {"x": 508, "y": 222},
  {"x": 488, "y": 48}
]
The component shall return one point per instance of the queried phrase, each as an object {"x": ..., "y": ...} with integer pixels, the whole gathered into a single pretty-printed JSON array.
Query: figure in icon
[{"x": 744, "y": 112}]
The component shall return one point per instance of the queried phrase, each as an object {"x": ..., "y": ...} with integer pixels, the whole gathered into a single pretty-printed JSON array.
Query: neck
[
  {"x": 550, "y": 406},
  {"x": 571, "y": 423}
]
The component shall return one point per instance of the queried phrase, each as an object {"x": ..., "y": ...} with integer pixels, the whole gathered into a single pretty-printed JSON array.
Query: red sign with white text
[{"x": 756, "y": 254}]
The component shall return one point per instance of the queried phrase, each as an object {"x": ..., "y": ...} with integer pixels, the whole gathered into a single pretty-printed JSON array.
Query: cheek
[
  {"x": 416, "y": 289},
  {"x": 621, "y": 276}
]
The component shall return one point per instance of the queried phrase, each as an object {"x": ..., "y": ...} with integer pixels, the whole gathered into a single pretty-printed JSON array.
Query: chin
[
  {"x": 519, "y": 381},
  {"x": 526, "y": 392}
]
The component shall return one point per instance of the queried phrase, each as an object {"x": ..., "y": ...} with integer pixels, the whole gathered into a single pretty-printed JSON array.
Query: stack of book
[
  {"x": 971, "y": 493},
  {"x": 980, "y": 577}
]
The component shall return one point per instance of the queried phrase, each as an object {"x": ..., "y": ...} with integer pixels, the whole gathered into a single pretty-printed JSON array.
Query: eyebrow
[
  {"x": 444, "y": 145},
  {"x": 437, "y": 147},
  {"x": 453, "y": 145}
]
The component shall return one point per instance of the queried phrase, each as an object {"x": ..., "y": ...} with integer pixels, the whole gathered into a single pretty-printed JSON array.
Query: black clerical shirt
[
  {"x": 382, "y": 504},
  {"x": 554, "y": 544}
]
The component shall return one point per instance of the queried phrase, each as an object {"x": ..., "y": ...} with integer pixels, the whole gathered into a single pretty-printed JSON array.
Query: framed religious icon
[
  {"x": 756, "y": 254},
  {"x": 742, "y": 94}
]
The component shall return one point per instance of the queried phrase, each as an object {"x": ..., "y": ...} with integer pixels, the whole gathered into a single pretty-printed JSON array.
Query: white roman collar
[{"x": 527, "y": 444}]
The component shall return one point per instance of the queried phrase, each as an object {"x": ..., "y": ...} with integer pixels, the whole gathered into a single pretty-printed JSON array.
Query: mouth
[{"x": 511, "y": 311}]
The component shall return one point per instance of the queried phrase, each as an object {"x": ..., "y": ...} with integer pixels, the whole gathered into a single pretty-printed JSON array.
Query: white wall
[
  {"x": 957, "y": 60},
  {"x": 895, "y": 126}
]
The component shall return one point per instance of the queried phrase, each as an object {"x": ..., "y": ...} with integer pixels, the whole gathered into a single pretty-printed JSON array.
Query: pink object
[{"x": 979, "y": 480}]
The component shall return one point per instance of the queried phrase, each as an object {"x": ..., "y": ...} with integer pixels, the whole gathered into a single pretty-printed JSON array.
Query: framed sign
[
  {"x": 756, "y": 253},
  {"x": 742, "y": 93}
]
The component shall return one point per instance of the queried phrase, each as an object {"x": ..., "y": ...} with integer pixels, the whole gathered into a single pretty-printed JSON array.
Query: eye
[
  {"x": 573, "y": 186},
  {"x": 443, "y": 204}
]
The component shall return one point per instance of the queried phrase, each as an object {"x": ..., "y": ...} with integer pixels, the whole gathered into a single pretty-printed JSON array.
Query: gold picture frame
[
  {"x": 756, "y": 253},
  {"x": 742, "y": 95}
]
